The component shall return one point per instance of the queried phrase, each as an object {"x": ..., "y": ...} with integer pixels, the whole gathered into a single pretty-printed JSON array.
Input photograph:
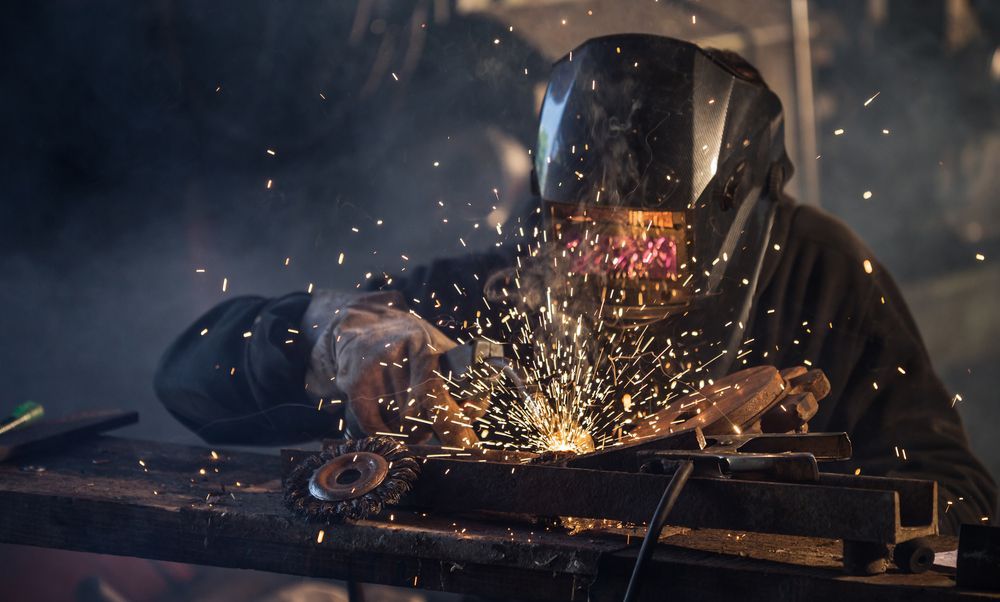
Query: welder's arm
[
  {"x": 910, "y": 428},
  {"x": 236, "y": 375},
  {"x": 383, "y": 362},
  {"x": 829, "y": 303},
  {"x": 265, "y": 372}
]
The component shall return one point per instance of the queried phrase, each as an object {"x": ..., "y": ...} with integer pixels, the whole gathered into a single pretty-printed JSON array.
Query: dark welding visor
[
  {"x": 651, "y": 122},
  {"x": 651, "y": 161}
]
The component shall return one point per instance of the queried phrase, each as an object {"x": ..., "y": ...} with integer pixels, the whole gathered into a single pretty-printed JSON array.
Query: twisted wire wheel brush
[{"x": 355, "y": 480}]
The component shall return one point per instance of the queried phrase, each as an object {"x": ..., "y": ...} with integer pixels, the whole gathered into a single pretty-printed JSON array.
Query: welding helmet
[{"x": 657, "y": 165}]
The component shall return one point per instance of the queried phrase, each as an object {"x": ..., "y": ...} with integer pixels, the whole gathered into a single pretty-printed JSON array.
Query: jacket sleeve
[
  {"x": 236, "y": 375},
  {"x": 831, "y": 304},
  {"x": 904, "y": 420}
]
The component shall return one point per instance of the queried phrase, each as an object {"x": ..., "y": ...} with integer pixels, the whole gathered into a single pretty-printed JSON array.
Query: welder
[{"x": 660, "y": 170}]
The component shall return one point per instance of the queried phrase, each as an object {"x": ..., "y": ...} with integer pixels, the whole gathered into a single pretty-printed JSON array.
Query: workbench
[{"x": 187, "y": 504}]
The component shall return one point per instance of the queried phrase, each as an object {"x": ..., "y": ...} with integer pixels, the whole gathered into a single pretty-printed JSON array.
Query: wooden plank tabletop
[{"x": 183, "y": 503}]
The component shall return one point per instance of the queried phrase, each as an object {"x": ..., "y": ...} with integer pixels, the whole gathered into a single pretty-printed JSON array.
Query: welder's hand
[{"x": 386, "y": 361}]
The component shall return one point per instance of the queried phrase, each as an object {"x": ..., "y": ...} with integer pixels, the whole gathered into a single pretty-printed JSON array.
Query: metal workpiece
[
  {"x": 826, "y": 447},
  {"x": 837, "y": 507},
  {"x": 742, "y": 479},
  {"x": 730, "y": 405}
]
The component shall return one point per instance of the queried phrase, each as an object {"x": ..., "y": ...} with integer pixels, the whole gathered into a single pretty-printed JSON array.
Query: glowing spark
[{"x": 868, "y": 266}]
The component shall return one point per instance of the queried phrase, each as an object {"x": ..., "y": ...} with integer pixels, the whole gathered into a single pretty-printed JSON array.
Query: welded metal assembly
[
  {"x": 743, "y": 479},
  {"x": 752, "y": 400}
]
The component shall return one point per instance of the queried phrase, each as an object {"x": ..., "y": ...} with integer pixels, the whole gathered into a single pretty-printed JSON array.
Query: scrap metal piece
[
  {"x": 729, "y": 405},
  {"x": 792, "y": 414},
  {"x": 808, "y": 381},
  {"x": 354, "y": 480},
  {"x": 803, "y": 391},
  {"x": 913, "y": 556}
]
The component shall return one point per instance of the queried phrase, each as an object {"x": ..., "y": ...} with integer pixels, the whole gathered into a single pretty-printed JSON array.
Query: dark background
[{"x": 135, "y": 138}]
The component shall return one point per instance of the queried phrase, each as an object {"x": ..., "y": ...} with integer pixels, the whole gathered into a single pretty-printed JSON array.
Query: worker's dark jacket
[{"x": 817, "y": 303}]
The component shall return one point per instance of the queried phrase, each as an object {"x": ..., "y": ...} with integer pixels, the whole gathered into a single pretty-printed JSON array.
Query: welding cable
[{"x": 670, "y": 494}]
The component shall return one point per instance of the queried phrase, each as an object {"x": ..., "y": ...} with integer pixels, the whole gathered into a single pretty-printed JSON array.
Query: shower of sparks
[
  {"x": 578, "y": 395},
  {"x": 584, "y": 378}
]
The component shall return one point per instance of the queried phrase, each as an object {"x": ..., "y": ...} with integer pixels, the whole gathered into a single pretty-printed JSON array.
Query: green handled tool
[{"x": 24, "y": 413}]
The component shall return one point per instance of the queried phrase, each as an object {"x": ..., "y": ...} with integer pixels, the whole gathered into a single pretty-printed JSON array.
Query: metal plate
[{"x": 729, "y": 405}]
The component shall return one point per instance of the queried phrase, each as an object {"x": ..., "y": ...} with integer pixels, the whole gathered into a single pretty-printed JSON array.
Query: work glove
[{"x": 383, "y": 361}]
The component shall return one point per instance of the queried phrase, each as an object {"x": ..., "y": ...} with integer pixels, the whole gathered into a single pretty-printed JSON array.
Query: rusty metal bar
[
  {"x": 858, "y": 510},
  {"x": 824, "y": 446}
]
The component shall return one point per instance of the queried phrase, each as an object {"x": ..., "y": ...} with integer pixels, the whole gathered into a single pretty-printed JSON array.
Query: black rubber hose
[{"x": 656, "y": 523}]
